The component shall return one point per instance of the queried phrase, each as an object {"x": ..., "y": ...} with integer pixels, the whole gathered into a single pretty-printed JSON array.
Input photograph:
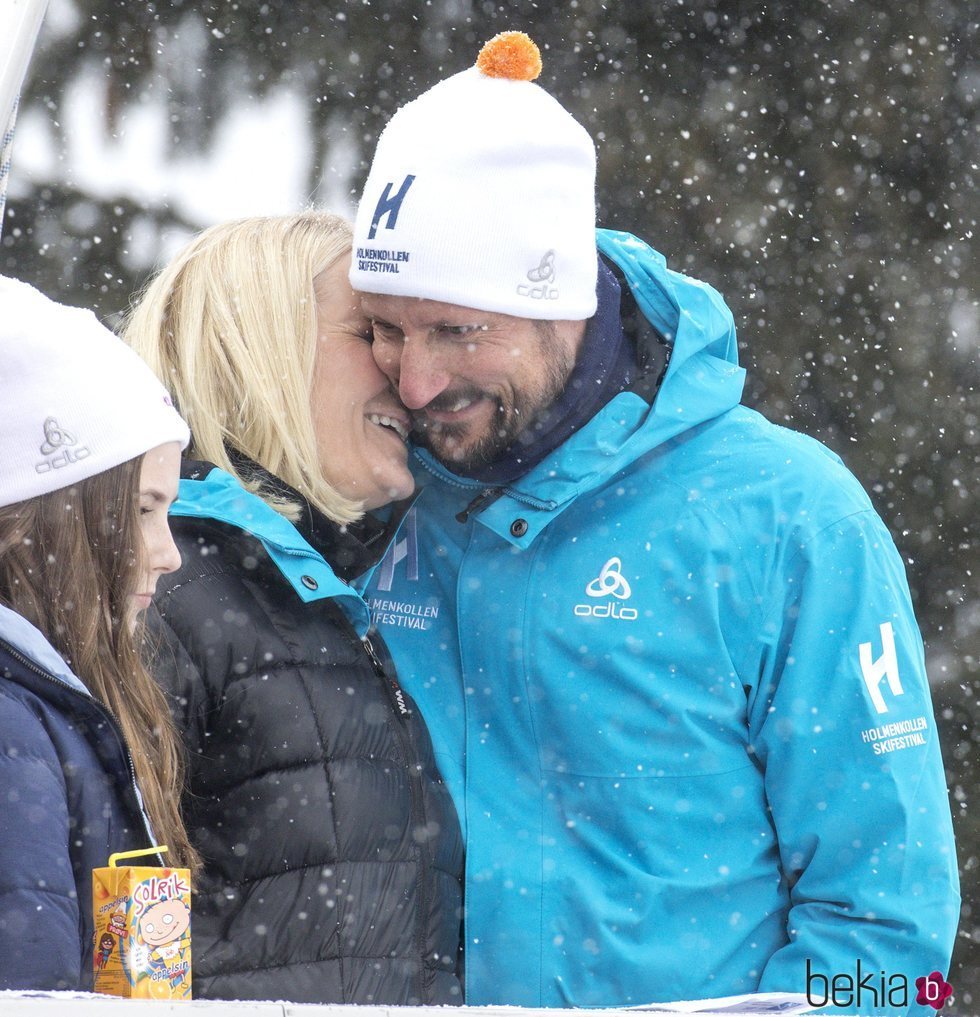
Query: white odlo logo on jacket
[{"x": 609, "y": 583}]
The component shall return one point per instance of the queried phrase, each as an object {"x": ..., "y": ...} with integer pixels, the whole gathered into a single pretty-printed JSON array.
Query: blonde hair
[
  {"x": 230, "y": 328},
  {"x": 69, "y": 561}
]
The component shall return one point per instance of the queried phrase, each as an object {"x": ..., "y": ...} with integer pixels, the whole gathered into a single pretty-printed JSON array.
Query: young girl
[{"x": 89, "y": 765}]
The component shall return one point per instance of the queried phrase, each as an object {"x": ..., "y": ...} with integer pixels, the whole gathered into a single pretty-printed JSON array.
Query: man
[{"x": 665, "y": 648}]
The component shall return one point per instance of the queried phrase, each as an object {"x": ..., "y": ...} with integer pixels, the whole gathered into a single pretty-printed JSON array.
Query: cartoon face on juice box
[{"x": 142, "y": 929}]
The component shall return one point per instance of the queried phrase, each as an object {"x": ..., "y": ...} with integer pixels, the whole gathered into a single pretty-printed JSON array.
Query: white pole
[{"x": 20, "y": 21}]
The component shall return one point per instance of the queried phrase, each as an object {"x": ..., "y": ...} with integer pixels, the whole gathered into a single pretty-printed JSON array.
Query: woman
[
  {"x": 331, "y": 849},
  {"x": 89, "y": 458}
]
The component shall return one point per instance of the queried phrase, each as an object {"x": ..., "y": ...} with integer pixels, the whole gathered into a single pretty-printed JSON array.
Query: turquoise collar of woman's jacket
[{"x": 220, "y": 497}]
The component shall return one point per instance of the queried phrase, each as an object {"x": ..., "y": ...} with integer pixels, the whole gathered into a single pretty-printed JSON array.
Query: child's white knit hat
[
  {"x": 482, "y": 194},
  {"x": 75, "y": 400}
]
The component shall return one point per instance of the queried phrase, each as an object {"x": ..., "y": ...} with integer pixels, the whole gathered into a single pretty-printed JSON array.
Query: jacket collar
[
  {"x": 678, "y": 315},
  {"x": 207, "y": 492},
  {"x": 351, "y": 550},
  {"x": 29, "y": 641}
]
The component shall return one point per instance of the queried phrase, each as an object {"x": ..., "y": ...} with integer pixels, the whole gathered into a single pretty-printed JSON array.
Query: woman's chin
[{"x": 389, "y": 490}]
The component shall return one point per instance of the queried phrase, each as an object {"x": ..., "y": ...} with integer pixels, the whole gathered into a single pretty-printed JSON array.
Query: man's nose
[{"x": 415, "y": 369}]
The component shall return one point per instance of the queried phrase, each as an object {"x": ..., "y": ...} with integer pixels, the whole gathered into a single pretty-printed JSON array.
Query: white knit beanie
[
  {"x": 75, "y": 400},
  {"x": 482, "y": 194}
]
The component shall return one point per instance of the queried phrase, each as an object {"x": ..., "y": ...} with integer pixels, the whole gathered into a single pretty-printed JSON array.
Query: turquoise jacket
[{"x": 677, "y": 690}]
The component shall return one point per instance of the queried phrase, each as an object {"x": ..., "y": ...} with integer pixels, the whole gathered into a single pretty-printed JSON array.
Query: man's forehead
[{"x": 419, "y": 310}]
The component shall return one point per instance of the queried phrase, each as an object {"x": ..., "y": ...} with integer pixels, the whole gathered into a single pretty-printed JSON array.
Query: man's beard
[{"x": 453, "y": 445}]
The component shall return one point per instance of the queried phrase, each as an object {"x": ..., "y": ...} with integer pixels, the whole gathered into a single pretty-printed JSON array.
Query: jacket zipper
[
  {"x": 486, "y": 497},
  {"x": 395, "y": 694},
  {"x": 402, "y": 713},
  {"x": 107, "y": 713},
  {"x": 442, "y": 475}
]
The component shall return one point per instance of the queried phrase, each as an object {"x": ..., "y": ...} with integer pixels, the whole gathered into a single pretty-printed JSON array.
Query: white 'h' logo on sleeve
[{"x": 886, "y": 666}]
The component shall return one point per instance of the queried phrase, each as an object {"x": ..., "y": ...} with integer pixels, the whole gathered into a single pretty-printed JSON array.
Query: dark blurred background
[{"x": 815, "y": 162}]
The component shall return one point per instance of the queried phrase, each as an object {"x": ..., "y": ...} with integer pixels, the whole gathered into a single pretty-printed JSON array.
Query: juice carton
[{"x": 142, "y": 929}]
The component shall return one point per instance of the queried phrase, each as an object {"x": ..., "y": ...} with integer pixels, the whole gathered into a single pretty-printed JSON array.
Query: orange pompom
[{"x": 510, "y": 55}]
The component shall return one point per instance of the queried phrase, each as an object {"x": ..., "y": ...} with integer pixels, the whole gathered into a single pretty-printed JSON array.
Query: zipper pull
[
  {"x": 485, "y": 497},
  {"x": 390, "y": 683}
]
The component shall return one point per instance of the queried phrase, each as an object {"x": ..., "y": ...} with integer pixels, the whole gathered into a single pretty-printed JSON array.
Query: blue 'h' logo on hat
[{"x": 389, "y": 206}]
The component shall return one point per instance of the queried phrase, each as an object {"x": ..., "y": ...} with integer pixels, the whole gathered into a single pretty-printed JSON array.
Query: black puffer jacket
[{"x": 332, "y": 849}]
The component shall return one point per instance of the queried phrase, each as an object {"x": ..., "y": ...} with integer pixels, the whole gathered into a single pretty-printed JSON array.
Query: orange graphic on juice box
[{"x": 142, "y": 929}]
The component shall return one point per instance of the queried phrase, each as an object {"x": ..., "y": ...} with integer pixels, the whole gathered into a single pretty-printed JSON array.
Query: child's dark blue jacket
[{"x": 68, "y": 798}]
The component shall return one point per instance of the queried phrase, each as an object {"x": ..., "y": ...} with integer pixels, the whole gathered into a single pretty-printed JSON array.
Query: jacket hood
[
  {"x": 29, "y": 641},
  {"x": 703, "y": 377},
  {"x": 703, "y": 380}
]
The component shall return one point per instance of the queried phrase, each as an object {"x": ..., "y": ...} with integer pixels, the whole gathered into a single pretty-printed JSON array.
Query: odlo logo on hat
[
  {"x": 544, "y": 274},
  {"x": 58, "y": 447}
]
